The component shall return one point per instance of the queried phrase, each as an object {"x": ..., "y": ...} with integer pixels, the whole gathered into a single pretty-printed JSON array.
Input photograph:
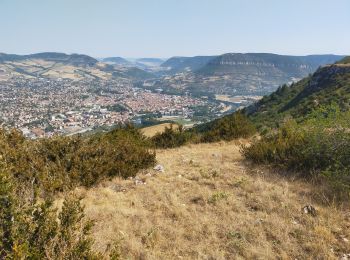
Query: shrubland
[
  {"x": 33, "y": 229},
  {"x": 33, "y": 171},
  {"x": 62, "y": 163},
  {"x": 304, "y": 127},
  {"x": 227, "y": 128},
  {"x": 319, "y": 146}
]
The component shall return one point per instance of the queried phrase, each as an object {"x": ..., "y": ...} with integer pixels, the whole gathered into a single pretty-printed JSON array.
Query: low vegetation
[
  {"x": 208, "y": 192},
  {"x": 318, "y": 146},
  {"x": 32, "y": 228},
  {"x": 172, "y": 137},
  {"x": 32, "y": 171},
  {"x": 62, "y": 163},
  {"x": 227, "y": 128},
  {"x": 210, "y": 204}
]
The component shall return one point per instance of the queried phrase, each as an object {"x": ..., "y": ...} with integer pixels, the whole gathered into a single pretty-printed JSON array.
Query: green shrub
[
  {"x": 227, "y": 128},
  {"x": 61, "y": 163},
  {"x": 216, "y": 197},
  {"x": 172, "y": 137},
  {"x": 320, "y": 145},
  {"x": 30, "y": 229},
  {"x": 31, "y": 172}
]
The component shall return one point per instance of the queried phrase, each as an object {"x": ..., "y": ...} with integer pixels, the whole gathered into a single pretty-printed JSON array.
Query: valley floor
[{"x": 210, "y": 204}]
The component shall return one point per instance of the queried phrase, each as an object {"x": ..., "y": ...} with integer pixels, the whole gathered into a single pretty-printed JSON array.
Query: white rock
[
  {"x": 159, "y": 168},
  {"x": 345, "y": 257},
  {"x": 139, "y": 182},
  {"x": 308, "y": 209}
]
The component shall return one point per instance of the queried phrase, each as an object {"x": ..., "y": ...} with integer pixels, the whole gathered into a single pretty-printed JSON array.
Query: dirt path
[{"x": 209, "y": 205}]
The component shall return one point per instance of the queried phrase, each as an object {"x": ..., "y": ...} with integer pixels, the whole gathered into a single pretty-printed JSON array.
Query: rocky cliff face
[
  {"x": 265, "y": 63},
  {"x": 262, "y": 64}
]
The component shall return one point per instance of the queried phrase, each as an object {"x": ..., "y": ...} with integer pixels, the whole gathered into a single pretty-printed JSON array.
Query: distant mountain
[
  {"x": 346, "y": 60},
  {"x": 322, "y": 59},
  {"x": 238, "y": 73},
  {"x": 117, "y": 60},
  {"x": 233, "y": 73},
  {"x": 150, "y": 61},
  {"x": 148, "y": 64},
  {"x": 182, "y": 64},
  {"x": 73, "y": 59},
  {"x": 54, "y": 65},
  {"x": 263, "y": 64},
  {"x": 266, "y": 65},
  {"x": 137, "y": 73},
  {"x": 329, "y": 84}
]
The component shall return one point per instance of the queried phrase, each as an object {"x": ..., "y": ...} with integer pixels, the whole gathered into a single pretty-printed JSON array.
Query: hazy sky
[{"x": 164, "y": 28}]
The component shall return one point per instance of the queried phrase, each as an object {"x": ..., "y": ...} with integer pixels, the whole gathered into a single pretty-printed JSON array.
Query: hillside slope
[
  {"x": 117, "y": 61},
  {"x": 181, "y": 64},
  {"x": 239, "y": 73},
  {"x": 52, "y": 65},
  {"x": 73, "y": 59},
  {"x": 329, "y": 84},
  {"x": 209, "y": 204}
]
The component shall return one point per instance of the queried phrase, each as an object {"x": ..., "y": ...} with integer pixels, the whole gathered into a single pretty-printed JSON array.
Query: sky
[{"x": 166, "y": 28}]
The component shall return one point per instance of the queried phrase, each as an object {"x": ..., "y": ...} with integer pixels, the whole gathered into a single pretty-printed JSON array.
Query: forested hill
[{"x": 329, "y": 84}]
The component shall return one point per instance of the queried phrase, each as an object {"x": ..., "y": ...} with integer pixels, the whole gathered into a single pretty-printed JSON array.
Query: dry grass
[
  {"x": 208, "y": 204},
  {"x": 153, "y": 130},
  {"x": 51, "y": 69}
]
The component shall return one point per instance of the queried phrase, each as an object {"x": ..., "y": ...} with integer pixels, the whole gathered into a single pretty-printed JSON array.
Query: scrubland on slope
[{"x": 210, "y": 204}]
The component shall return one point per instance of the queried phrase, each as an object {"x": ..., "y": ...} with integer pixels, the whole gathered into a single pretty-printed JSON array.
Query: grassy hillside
[
  {"x": 205, "y": 200},
  {"x": 209, "y": 204},
  {"x": 310, "y": 127}
]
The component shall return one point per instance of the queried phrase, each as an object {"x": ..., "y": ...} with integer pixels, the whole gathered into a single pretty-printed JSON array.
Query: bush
[
  {"x": 30, "y": 229},
  {"x": 61, "y": 163},
  {"x": 227, "y": 128},
  {"x": 31, "y": 172},
  {"x": 172, "y": 137},
  {"x": 320, "y": 145}
]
